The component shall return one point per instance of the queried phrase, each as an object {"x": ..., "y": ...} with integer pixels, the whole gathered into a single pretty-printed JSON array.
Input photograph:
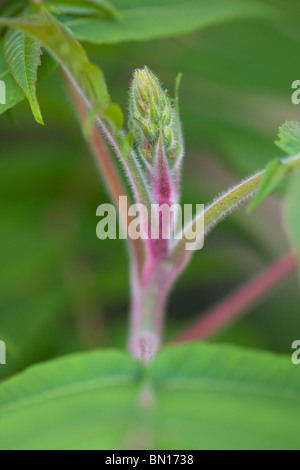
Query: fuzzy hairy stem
[
  {"x": 148, "y": 305},
  {"x": 153, "y": 276},
  {"x": 224, "y": 205},
  {"x": 148, "y": 309},
  {"x": 240, "y": 301},
  {"x": 152, "y": 293}
]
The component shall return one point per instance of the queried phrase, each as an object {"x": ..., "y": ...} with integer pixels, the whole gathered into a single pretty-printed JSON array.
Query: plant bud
[
  {"x": 167, "y": 132},
  {"x": 150, "y": 113}
]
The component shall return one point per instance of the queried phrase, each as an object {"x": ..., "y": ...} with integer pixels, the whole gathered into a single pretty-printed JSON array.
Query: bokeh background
[{"x": 61, "y": 289}]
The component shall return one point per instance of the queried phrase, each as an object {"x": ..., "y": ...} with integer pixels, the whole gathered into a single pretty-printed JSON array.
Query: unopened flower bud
[
  {"x": 150, "y": 108},
  {"x": 151, "y": 115},
  {"x": 167, "y": 132}
]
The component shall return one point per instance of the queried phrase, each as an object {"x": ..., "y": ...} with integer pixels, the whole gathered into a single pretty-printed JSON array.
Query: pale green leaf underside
[
  {"x": 197, "y": 396},
  {"x": 148, "y": 19},
  {"x": 289, "y": 137},
  {"x": 274, "y": 174},
  {"x": 23, "y": 56}
]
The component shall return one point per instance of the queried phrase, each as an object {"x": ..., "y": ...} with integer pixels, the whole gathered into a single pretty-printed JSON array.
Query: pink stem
[
  {"x": 240, "y": 301},
  {"x": 149, "y": 308},
  {"x": 149, "y": 302}
]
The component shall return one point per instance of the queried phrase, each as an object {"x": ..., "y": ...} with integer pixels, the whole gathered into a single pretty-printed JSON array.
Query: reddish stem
[
  {"x": 239, "y": 301},
  {"x": 108, "y": 171}
]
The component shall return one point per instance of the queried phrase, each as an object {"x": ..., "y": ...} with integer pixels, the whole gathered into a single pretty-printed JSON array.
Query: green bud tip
[
  {"x": 149, "y": 99},
  {"x": 151, "y": 114}
]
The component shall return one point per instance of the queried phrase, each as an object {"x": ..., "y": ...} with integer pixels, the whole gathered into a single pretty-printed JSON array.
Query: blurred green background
[{"x": 61, "y": 289}]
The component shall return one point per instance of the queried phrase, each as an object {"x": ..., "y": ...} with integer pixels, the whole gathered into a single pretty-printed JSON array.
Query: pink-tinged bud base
[{"x": 155, "y": 128}]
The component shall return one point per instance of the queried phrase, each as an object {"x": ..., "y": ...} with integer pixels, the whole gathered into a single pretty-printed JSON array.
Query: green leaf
[
  {"x": 220, "y": 397},
  {"x": 86, "y": 77},
  {"x": 150, "y": 19},
  {"x": 87, "y": 7},
  {"x": 276, "y": 170},
  {"x": 23, "y": 56},
  {"x": 196, "y": 396},
  {"x": 274, "y": 174},
  {"x": 289, "y": 137},
  {"x": 67, "y": 51},
  {"x": 114, "y": 113},
  {"x": 14, "y": 93},
  {"x": 47, "y": 66},
  {"x": 95, "y": 392}
]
